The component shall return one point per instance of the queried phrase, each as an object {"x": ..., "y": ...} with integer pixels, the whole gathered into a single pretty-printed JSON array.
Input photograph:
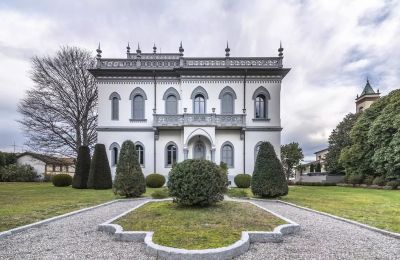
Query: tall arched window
[
  {"x": 171, "y": 105},
  {"x": 115, "y": 98},
  {"x": 138, "y": 107},
  {"x": 114, "y": 149},
  {"x": 227, "y": 154},
  {"x": 140, "y": 153},
  {"x": 227, "y": 104},
  {"x": 260, "y": 107},
  {"x": 199, "y": 104},
  {"x": 171, "y": 154}
]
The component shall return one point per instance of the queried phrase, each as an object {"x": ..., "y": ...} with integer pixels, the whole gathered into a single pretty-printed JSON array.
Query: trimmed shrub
[
  {"x": 61, "y": 180},
  {"x": 238, "y": 193},
  {"x": 155, "y": 180},
  {"x": 318, "y": 167},
  {"x": 268, "y": 177},
  {"x": 224, "y": 167},
  {"x": 197, "y": 182},
  {"x": 312, "y": 166},
  {"x": 129, "y": 179},
  {"x": 380, "y": 181},
  {"x": 393, "y": 184},
  {"x": 355, "y": 179},
  {"x": 100, "y": 172},
  {"x": 315, "y": 183},
  {"x": 160, "y": 194},
  {"x": 18, "y": 173},
  {"x": 368, "y": 180},
  {"x": 242, "y": 180},
  {"x": 82, "y": 168}
]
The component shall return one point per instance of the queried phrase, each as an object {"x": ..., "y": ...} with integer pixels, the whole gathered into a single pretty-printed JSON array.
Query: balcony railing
[{"x": 229, "y": 121}]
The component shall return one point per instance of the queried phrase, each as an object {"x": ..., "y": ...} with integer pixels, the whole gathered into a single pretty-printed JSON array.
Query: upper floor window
[
  {"x": 171, "y": 105},
  {"x": 115, "y": 98},
  {"x": 227, "y": 154},
  {"x": 140, "y": 153},
  {"x": 227, "y": 97},
  {"x": 138, "y": 97},
  {"x": 199, "y": 104},
  {"x": 261, "y": 97},
  {"x": 171, "y": 154}
]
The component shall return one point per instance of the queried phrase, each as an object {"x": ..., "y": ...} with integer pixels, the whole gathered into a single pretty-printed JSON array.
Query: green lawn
[
  {"x": 198, "y": 228},
  {"x": 378, "y": 208},
  {"x": 25, "y": 203}
]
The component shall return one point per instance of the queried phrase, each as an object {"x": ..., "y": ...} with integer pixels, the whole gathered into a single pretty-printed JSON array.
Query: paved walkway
[{"x": 75, "y": 237}]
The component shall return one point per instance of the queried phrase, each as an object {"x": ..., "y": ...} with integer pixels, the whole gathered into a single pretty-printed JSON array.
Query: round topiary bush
[
  {"x": 61, "y": 180},
  {"x": 155, "y": 180},
  {"x": 197, "y": 182},
  {"x": 242, "y": 180}
]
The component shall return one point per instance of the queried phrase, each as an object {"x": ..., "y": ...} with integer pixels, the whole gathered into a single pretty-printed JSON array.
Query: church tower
[{"x": 367, "y": 97}]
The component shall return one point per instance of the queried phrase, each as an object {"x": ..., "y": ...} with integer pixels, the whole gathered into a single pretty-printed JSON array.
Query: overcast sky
[{"x": 331, "y": 46}]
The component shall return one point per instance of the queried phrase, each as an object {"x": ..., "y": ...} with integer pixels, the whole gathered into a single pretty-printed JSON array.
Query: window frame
[
  {"x": 167, "y": 153},
  {"x": 140, "y": 157},
  {"x": 225, "y": 144}
]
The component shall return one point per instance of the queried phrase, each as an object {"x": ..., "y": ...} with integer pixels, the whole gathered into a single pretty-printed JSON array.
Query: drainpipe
[
  {"x": 244, "y": 112},
  {"x": 154, "y": 112}
]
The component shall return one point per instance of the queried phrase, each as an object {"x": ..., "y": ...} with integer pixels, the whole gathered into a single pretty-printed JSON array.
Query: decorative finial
[
  {"x": 378, "y": 91},
  {"x": 99, "y": 52},
  {"x": 154, "y": 48},
  {"x": 227, "y": 50},
  {"x": 280, "y": 50},
  {"x": 138, "y": 51},
  {"x": 181, "y": 50},
  {"x": 128, "y": 49},
  {"x": 367, "y": 80}
]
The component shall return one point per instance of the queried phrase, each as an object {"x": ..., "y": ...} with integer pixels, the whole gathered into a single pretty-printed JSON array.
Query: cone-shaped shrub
[
  {"x": 82, "y": 168},
  {"x": 268, "y": 177},
  {"x": 129, "y": 179},
  {"x": 100, "y": 172}
]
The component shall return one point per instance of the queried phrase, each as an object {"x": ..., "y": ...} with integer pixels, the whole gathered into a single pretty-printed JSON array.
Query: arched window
[
  {"x": 115, "y": 98},
  {"x": 138, "y": 107},
  {"x": 171, "y": 105},
  {"x": 171, "y": 154},
  {"x": 140, "y": 153},
  {"x": 114, "y": 148},
  {"x": 199, "y": 104},
  {"x": 227, "y": 96},
  {"x": 227, "y": 154},
  {"x": 261, "y": 97},
  {"x": 260, "y": 107}
]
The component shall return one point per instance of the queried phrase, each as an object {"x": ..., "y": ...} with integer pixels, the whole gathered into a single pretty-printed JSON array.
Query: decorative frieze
[{"x": 235, "y": 120}]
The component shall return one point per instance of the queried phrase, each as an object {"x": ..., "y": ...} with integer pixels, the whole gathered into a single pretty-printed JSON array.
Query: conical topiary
[
  {"x": 129, "y": 179},
  {"x": 268, "y": 177},
  {"x": 82, "y": 168},
  {"x": 100, "y": 172}
]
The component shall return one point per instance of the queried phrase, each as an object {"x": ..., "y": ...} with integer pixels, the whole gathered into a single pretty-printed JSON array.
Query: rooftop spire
[
  {"x": 138, "y": 51},
  {"x": 154, "y": 48},
  {"x": 181, "y": 50},
  {"x": 367, "y": 89},
  {"x": 99, "y": 52},
  {"x": 227, "y": 50},
  {"x": 280, "y": 50},
  {"x": 128, "y": 49}
]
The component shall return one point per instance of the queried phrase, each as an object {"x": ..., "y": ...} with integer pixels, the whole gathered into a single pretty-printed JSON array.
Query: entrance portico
[{"x": 199, "y": 143}]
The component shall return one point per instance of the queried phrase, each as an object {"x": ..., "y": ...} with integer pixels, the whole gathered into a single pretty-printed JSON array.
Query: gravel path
[
  {"x": 325, "y": 238},
  {"x": 75, "y": 237}
]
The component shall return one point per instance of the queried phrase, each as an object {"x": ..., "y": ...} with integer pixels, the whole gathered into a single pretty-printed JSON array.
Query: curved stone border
[
  {"x": 45, "y": 221},
  {"x": 228, "y": 252}
]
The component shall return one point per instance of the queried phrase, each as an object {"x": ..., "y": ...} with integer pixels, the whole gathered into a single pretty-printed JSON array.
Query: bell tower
[{"x": 367, "y": 97}]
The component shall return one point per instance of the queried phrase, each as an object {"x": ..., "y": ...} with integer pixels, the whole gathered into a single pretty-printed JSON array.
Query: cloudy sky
[{"x": 331, "y": 46}]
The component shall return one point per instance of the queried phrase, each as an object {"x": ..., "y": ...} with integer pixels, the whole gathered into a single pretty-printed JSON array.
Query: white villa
[{"x": 175, "y": 108}]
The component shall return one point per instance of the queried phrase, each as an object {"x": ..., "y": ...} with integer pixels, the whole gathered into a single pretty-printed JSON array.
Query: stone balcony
[{"x": 237, "y": 121}]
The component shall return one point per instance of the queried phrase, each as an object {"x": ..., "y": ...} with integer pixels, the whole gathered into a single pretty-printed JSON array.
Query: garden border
[
  {"x": 13, "y": 231},
  {"x": 228, "y": 252}
]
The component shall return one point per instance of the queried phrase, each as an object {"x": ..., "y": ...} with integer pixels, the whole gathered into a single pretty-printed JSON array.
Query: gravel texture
[
  {"x": 74, "y": 237},
  {"x": 322, "y": 237}
]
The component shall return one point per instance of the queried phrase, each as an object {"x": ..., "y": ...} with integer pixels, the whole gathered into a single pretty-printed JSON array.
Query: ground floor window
[
  {"x": 140, "y": 153},
  {"x": 171, "y": 156},
  {"x": 227, "y": 154}
]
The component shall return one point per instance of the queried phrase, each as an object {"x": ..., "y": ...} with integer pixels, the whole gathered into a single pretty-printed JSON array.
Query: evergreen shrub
[
  {"x": 242, "y": 180},
  {"x": 100, "y": 172},
  {"x": 82, "y": 168},
  {"x": 61, "y": 180},
  {"x": 155, "y": 180}
]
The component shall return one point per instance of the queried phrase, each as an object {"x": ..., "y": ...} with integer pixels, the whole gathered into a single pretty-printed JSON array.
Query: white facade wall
[{"x": 37, "y": 165}]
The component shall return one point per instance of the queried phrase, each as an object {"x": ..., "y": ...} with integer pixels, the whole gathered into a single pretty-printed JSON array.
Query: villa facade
[{"x": 175, "y": 108}]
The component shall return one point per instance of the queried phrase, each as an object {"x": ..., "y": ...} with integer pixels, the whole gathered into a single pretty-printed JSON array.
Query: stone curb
[
  {"x": 382, "y": 231},
  {"x": 228, "y": 252},
  {"x": 46, "y": 221}
]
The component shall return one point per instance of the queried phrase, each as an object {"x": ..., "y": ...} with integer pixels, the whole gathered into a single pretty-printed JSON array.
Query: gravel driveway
[{"x": 75, "y": 237}]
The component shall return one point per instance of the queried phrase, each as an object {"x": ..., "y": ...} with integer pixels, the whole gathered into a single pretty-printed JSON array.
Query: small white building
[{"x": 175, "y": 108}]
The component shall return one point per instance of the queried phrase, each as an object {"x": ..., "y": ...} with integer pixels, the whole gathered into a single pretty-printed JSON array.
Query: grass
[
  {"x": 198, "y": 228},
  {"x": 25, "y": 203},
  {"x": 378, "y": 208}
]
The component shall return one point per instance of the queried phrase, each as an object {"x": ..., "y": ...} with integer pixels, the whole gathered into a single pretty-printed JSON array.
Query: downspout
[
  {"x": 156, "y": 130},
  {"x": 244, "y": 112}
]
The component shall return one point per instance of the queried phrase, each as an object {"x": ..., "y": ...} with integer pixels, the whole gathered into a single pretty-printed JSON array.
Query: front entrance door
[{"x": 199, "y": 151}]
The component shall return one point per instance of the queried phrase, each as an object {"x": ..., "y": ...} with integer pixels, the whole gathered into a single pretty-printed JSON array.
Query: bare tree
[{"x": 59, "y": 113}]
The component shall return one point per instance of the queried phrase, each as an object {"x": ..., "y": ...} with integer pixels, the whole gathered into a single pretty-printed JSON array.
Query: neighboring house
[
  {"x": 175, "y": 108},
  {"x": 367, "y": 98},
  {"x": 45, "y": 164}
]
